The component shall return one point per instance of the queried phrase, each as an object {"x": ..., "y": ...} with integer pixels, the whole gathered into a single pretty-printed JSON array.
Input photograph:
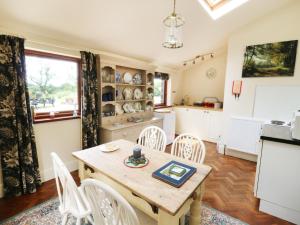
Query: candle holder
[{"x": 137, "y": 159}]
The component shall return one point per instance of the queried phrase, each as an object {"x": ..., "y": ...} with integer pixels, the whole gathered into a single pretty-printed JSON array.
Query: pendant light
[{"x": 173, "y": 30}]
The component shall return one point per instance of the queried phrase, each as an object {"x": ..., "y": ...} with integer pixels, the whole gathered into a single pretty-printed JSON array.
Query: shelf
[
  {"x": 132, "y": 100},
  {"x": 108, "y": 103},
  {"x": 108, "y": 84},
  {"x": 131, "y": 85},
  {"x": 133, "y": 113}
]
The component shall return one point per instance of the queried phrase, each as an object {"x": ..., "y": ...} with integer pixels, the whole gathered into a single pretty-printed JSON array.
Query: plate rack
[{"x": 112, "y": 86}]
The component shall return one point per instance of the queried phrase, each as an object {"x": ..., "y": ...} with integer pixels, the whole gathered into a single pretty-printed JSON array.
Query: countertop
[
  {"x": 279, "y": 140},
  {"x": 197, "y": 107},
  {"x": 112, "y": 127}
]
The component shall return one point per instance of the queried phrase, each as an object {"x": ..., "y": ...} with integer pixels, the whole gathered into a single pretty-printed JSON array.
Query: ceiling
[{"x": 133, "y": 27}]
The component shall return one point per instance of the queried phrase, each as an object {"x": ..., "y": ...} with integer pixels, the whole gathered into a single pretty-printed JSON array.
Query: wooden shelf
[
  {"x": 108, "y": 84},
  {"x": 131, "y": 85},
  {"x": 132, "y": 100},
  {"x": 108, "y": 103}
]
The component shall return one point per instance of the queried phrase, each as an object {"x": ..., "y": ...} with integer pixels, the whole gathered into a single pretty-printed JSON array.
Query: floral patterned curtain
[
  {"x": 90, "y": 104},
  {"x": 18, "y": 153}
]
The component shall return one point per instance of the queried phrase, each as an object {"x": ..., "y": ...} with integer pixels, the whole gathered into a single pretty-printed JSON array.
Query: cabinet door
[
  {"x": 279, "y": 181},
  {"x": 183, "y": 120},
  {"x": 213, "y": 126}
]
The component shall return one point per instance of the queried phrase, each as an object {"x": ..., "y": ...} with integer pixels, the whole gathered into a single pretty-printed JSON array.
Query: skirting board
[
  {"x": 279, "y": 211},
  {"x": 48, "y": 174},
  {"x": 241, "y": 155}
]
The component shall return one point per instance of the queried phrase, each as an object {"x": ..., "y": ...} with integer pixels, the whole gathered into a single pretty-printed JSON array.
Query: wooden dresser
[{"x": 128, "y": 131}]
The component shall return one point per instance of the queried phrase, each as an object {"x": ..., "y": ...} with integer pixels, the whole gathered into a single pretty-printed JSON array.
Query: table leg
[
  {"x": 165, "y": 218},
  {"x": 81, "y": 171},
  {"x": 195, "y": 217}
]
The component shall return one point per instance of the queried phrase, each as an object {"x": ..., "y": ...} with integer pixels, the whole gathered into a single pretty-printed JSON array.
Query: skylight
[{"x": 218, "y": 8}]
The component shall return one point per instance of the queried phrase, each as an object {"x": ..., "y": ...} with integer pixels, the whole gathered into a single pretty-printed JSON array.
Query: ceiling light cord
[{"x": 174, "y": 8}]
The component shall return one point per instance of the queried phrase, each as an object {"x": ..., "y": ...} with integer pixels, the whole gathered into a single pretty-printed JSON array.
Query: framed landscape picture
[{"x": 270, "y": 60}]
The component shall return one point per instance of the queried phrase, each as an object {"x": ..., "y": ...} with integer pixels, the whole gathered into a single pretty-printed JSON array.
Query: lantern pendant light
[{"x": 173, "y": 30}]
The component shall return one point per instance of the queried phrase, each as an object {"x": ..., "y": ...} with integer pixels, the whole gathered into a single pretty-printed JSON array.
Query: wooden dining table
[{"x": 159, "y": 200}]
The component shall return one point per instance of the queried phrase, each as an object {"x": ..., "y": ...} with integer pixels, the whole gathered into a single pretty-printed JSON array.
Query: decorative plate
[
  {"x": 127, "y": 93},
  {"x": 119, "y": 94},
  {"x": 137, "y": 79},
  {"x": 149, "y": 107},
  {"x": 137, "y": 94},
  {"x": 118, "y": 77},
  {"x": 128, "y": 108},
  {"x": 138, "y": 106},
  {"x": 132, "y": 164},
  {"x": 109, "y": 148},
  {"x": 127, "y": 78},
  {"x": 119, "y": 110}
]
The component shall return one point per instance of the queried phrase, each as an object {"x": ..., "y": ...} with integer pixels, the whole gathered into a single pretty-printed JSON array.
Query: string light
[{"x": 194, "y": 60}]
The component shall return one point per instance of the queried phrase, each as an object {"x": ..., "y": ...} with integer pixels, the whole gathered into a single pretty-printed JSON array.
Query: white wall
[
  {"x": 197, "y": 86},
  {"x": 281, "y": 25},
  {"x": 62, "y": 137}
]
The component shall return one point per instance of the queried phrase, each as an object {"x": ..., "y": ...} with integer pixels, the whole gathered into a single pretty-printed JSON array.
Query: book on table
[{"x": 174, "y": 173}]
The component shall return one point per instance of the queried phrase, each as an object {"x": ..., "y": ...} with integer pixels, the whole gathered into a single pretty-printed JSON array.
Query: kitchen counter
[
  {"x": 115, "y": 127},
  {"x": 280, "y": 140},
  {"x": 197, "y": 107}
]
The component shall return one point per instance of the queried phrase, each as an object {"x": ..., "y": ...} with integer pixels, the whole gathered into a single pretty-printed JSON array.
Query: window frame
[
  {"x": 164, "y": 104},
  {"x": 43, "y": 117}
]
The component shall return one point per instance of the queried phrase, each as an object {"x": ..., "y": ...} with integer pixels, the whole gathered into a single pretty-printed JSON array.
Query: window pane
[
  {"x": 52, "y": 84},
  {"x": 159, "y": 91}
]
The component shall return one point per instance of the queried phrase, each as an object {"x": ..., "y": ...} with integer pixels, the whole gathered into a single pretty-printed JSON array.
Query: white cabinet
[
  {"x": 206, "y": 124},
  {"x": 278, "y": 182},
  {"x": 244, "y": 134}
]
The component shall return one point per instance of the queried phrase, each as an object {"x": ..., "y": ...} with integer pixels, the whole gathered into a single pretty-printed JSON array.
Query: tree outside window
[{"x": 53, "y": 85}]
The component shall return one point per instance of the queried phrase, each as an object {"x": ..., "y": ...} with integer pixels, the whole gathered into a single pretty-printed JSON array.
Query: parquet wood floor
[{"x": 228, "y": 188}]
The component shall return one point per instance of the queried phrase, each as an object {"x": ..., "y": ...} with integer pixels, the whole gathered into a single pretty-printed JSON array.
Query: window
[
  {"x": 160, "y": 92},
  {"x": 54, "y": 86},
  {"x": 218, "y": 8}
]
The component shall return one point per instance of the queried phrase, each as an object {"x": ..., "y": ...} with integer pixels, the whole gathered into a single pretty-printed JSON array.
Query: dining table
[{"x": 163, "y": 202}]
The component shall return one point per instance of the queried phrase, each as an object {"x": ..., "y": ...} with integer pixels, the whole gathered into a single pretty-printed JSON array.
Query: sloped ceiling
[{"x": 131, "y": 27}]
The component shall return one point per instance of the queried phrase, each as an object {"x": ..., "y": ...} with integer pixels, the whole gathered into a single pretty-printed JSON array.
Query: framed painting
[{"x": 270, "y": 60}]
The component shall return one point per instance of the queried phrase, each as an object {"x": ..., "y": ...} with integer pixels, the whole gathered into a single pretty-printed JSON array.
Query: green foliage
[
  {"x": 276, "y": 59},
  {"x": 43, "y": 92}
]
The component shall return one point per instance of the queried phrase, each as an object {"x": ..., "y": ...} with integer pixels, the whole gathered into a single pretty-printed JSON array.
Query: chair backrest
[
  {"x": 189, "y": 147},
  {"x": 70, "y": 198},
  {"x": 108, "y": 206},
  {"x": 154, "y": 138}
]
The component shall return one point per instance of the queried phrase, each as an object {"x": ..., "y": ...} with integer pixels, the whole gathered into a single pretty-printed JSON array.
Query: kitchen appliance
[
  {"x": 277, "y": 129},
  {"x": 295, "y": 125}
]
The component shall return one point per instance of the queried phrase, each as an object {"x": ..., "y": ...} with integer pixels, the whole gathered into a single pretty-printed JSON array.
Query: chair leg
[
  {"x": 78, "y": 221},
  {"x": 64, "y": 219},
  {"x": 89, "y": 218},
  {"x": 182, "y": 220}
]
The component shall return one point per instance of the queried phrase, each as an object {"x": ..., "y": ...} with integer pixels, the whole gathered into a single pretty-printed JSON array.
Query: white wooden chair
[
  {"x": 70, "y": 198},
  {"x": 108, "y": 206},
  {"x": 189, "y": 147},
  {"x": 154, "y": 138}
]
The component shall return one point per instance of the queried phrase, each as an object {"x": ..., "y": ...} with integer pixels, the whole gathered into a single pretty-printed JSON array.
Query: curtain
[
  {"x": 90, "y": 104},
  {"x": 163, "y": 76},
  {"x": 18, "y": 153}
]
